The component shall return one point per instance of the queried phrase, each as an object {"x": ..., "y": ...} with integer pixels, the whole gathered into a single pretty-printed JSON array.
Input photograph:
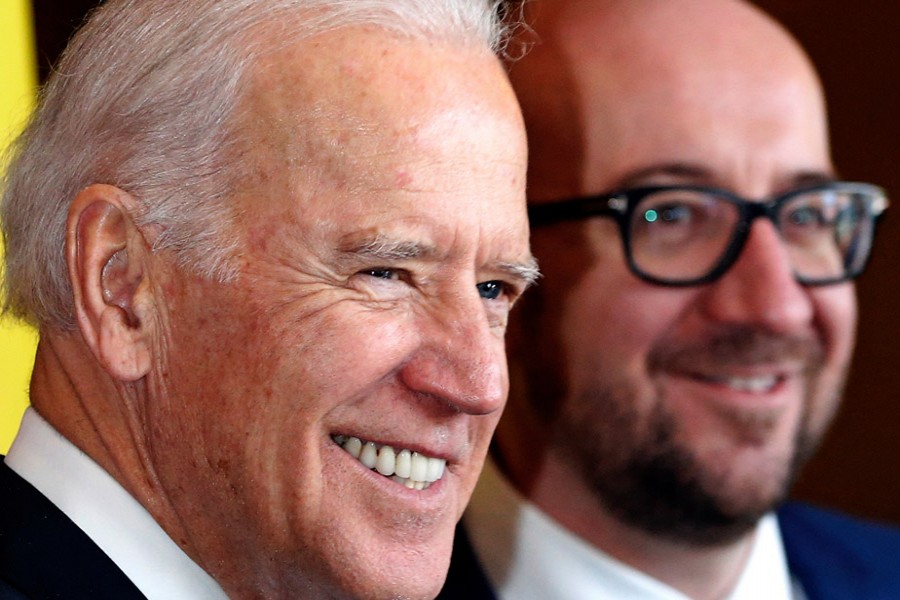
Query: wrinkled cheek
[
  {"x": 212, "y": 382},
  {"x": 345, "y": 354}
]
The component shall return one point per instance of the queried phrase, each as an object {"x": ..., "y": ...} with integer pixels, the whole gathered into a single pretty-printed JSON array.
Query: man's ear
[{"x": 107, "y": 257}]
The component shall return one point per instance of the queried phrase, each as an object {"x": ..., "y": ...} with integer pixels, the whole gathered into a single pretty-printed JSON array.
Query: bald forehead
[
  {"x": 639, "y": 25},
  {"x": 651, "y": 39},
  {"x": 610, "y": 62}
]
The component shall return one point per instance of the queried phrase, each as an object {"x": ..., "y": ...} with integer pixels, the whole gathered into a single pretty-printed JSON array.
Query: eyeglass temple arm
[{"x": 575, "y": 209}]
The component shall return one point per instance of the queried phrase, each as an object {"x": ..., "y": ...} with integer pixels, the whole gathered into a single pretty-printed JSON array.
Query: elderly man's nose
[{"x": 462, "y": 361}]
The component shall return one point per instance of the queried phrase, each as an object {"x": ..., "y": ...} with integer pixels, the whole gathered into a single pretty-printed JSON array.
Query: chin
[
  {"x": 387, "y": 585},
  {"x": 397, "y": 571}
]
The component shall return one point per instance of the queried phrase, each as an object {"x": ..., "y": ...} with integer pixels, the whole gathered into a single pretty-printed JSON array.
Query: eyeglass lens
[{"x": 682, "y": 235}]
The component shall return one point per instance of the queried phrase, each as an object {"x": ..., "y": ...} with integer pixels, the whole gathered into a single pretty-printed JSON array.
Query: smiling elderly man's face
[{"x": 384, "y": 240}]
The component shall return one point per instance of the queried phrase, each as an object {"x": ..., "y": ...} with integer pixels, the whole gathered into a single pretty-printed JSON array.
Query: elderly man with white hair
[{"x": 270, "y": 247}]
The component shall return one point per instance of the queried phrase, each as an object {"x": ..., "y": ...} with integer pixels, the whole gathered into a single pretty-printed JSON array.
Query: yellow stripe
[{"x": 18, "y": 81}]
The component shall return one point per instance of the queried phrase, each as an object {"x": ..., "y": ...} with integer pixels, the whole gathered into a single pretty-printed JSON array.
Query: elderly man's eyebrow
[
  {"x": 528, "y": 272},
  {"x": 387, "y": 249},
  {"x": 381, "y": 247}
]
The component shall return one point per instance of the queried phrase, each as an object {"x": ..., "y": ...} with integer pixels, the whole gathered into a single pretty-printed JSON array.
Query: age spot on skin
[{"x": 403, "y": 179}]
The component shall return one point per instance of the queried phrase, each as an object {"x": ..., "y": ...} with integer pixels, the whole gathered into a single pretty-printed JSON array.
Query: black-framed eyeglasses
[{"x": 680, "y": 235}]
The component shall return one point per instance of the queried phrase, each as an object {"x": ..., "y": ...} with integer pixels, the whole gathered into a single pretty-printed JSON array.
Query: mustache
[{"x": 738, "y": 346}]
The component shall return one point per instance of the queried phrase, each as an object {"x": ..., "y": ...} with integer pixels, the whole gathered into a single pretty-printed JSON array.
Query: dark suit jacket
[
  {"x": 44, "y": 555},
  {"x": 833, "y": 556}
]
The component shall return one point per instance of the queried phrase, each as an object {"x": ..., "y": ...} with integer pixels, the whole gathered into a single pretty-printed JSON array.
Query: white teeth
[
  {"x": 353, "y": 446},
  {"x": 402, "y": 468},
  {"x": 419, "y": 467},
  {"x": 369, "y": 455},
  {"x": 435, "y": 470},
  {"x": 386, "y": 460},
  {"x": 411, "y": 469},
  {"x": 752, "y": 384}
]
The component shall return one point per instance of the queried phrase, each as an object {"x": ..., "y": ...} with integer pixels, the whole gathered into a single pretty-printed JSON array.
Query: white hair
[{"x": 143, "y": 99}]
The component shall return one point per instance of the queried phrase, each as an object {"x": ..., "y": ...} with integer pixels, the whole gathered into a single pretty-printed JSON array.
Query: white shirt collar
[
  {"x": 528, "y": 556},
  {"x": 113, "y": 519}
]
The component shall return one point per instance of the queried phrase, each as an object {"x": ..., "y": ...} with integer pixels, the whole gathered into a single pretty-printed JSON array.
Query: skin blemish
[
  {"x": 403, "y": 179},
  {"x": 260, "y": 236}
]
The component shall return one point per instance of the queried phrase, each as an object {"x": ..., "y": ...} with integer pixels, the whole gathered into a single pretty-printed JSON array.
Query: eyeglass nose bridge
[{"x": 748, "y": 212}]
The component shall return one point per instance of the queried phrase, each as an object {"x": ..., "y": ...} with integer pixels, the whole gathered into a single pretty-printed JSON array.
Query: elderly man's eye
[
  {"x": 380, "y": 273},
  {"x": 490, "y": 290}
]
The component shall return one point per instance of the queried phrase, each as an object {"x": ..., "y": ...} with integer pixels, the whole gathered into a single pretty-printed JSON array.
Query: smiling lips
[
  {"x": 758, "y": 385},
  {"x": 411, "y": 469}
]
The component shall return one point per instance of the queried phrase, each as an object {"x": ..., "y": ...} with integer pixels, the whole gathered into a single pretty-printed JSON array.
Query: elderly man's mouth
[{"x": 406, "y": 467}]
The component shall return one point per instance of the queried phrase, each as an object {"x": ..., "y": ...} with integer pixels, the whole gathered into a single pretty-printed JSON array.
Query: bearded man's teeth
[
  {"x": 752, "y": 384},
  {"x": 411, "y": 469}
]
